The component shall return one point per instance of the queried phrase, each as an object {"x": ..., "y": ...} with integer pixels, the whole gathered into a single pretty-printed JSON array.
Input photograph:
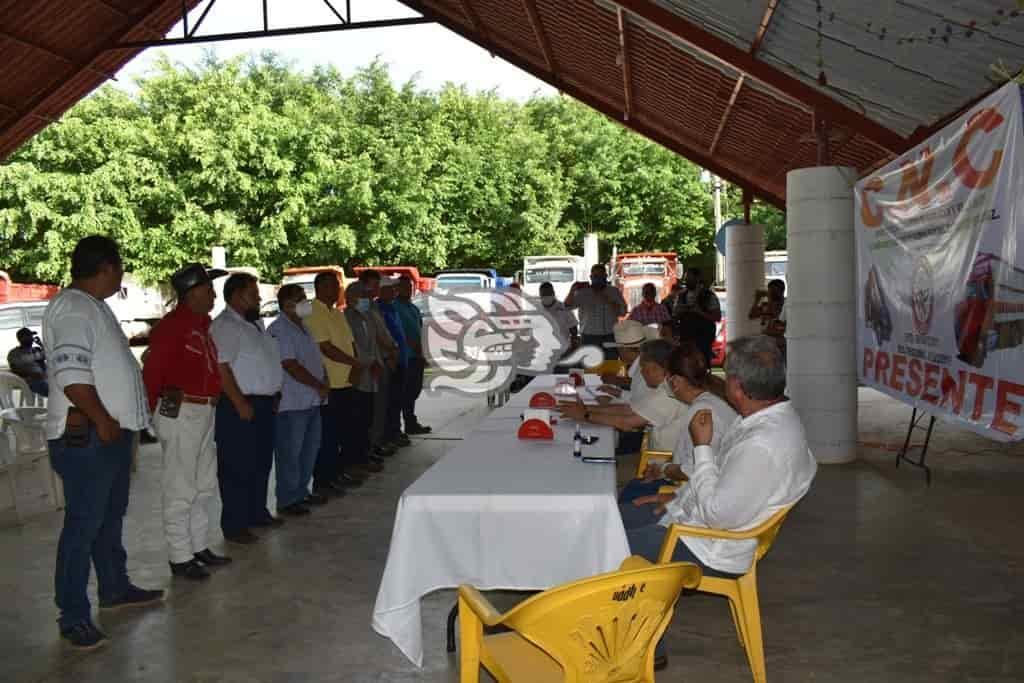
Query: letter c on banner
[
  {"x": 872, "y": 218},
  {"x": 986, "y": 120}
]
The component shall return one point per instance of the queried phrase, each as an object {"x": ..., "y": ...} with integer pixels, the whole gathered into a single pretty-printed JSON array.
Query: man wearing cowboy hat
[{"x": 181, "y": 376}]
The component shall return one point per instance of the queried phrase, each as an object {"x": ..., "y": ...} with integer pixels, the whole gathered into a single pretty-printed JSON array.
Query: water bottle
[{"x": 577, "y": 443}]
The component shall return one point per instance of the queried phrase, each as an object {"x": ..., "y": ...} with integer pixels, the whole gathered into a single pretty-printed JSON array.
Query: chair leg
[
  {"x": 750, "y": 613},
  {"x": 450, "y": 632},
  {"x": 471, "y": 633},
  {"x": 12, "y": 481},
  {"x": 733, "y": 609}
]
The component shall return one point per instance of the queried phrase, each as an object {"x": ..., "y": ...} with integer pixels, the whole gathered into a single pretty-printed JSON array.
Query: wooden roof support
[
  {"x": 474, "y": 19},
  {"x": 67, "y": 59},
  {"x": 762, "y": 29},
  {"x": 725, "y": 115},
  {"x": 741, "y": 60},
  {"x": 542, "y": 39},
  {"x": 627, "y": 77}
]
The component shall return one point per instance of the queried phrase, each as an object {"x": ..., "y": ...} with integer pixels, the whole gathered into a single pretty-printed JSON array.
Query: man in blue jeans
[
  {"x": 98, "y": 401},
  {"x": 303, "y": 390}
]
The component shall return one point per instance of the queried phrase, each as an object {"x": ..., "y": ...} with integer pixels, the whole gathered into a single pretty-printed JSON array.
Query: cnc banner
[{"x": 940, "y": 267}]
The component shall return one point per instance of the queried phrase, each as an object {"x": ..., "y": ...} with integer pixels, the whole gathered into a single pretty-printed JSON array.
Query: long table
[{"x": 498, "y": 512}]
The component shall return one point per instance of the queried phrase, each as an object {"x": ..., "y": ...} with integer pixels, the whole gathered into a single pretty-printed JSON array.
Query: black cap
[{"x": 192, "y": 275}]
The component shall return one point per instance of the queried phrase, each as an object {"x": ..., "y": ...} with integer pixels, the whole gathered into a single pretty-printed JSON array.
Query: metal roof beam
[
  {"x": 762, "y": 29},
  {"x": 725, "y": 115},
  {"x": 542, "y": 38},
  {"x": 742, "y": 61},
  {"x": 649, "y": 130},
  {"x": 627, "y": 79}
]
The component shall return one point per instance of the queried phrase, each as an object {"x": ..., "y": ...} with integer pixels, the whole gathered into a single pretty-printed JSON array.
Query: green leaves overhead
[{"x": 286, "y": 169}]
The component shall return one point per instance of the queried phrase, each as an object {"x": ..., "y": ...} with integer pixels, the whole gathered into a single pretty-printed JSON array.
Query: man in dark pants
[
  {"x": 355, "y": 434},
  {"x": 412, "y": 326},
  {"x": 98, "y": 401},
  {"x": 330, "y": 330},
  {"x": 396, "y": 382},
  {"x": 251, "y": 374},
  {"x": 697, "y": 312}
]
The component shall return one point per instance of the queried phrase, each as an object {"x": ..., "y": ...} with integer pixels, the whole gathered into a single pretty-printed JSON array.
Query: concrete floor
[{"x": 874, "y": 578}]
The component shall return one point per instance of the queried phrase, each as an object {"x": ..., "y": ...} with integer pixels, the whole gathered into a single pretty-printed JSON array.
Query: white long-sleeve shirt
[
  {"x": 762, "y": 465},
  {"x": 722, "y": 417}
]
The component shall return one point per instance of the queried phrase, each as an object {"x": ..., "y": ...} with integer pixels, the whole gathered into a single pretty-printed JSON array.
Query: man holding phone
[
  {"x": 97, "y": 403},
  {"x": 600, "y": 307}
]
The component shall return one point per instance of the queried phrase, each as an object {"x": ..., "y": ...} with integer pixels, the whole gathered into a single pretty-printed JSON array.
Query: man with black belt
[
  {"x": 251, "y": 375},
  {"x": 98, "y": 401},
  {"x": 181, "y": 376}
]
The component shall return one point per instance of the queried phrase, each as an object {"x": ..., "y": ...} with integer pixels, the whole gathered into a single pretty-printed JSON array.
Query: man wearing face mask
[
  {"x": 355, "y": 441},
  {"x": 183, "y": 385},
  {"x": 303, "y": 391},
  {"x": 658, "y": 409},
  {"x": 412, "y": 327},
  {"x": 250, "y": 372},
  {"x": 600, "y": 307},
  {"x": 697, "y": 311},
  {"x": 568, "y": 328}
]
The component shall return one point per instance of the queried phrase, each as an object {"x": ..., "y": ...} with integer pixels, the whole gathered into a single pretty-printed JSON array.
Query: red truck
[
  {"x": 630, "y": 272},
  {"x": 419, "y": 283},
  {"x": 11, "y": 291}
]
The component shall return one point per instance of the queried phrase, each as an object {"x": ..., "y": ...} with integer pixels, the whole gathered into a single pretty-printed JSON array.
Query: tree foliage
[{"x": 285, "y": 168}]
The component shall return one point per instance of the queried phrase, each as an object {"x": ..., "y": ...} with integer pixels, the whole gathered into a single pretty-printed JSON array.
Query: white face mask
[
  {"x": 304, "y": 309},
  {"x": 548, "y": 300}
]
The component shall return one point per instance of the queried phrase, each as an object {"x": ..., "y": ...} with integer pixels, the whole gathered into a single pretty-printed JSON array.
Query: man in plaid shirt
[{"x": 649, "y": 311}]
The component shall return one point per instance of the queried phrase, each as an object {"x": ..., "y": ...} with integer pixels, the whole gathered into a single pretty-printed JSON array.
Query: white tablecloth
[{"x": 499, "y": 512}]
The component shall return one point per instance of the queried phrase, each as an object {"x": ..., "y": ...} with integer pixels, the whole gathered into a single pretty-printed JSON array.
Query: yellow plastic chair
[
  {"x": 648, "y": 456},
  {"x": 597, "y": 630},
  {"x": 608, "y": 367},
  {"x": 742, "y": 592}
]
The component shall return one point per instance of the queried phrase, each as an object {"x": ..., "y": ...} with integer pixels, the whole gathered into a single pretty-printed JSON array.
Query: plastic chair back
[
  {"x": 605, "y": 628},
  {"x": 14, "y": 392},
  {"x": 608, "y": 367}
]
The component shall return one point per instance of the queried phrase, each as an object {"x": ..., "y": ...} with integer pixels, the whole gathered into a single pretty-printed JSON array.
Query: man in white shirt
[
  {"x": 568, "y": 327},
  {"x": 760, "y": 465},
  {"x": 97, "y": 402},
  {"x": 251, "y": 375},
  {"x": 600, "y": 307}
]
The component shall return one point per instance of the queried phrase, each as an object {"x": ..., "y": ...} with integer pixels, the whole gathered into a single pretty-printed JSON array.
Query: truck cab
[
  {"x": 630, "y": 272},
  {"x": 560, "y": 271}
]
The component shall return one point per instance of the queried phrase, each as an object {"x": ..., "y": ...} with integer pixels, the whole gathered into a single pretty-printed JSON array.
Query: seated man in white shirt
[
  {"x": 760, "y": 464},
  {"x": 658, "y": 409}
]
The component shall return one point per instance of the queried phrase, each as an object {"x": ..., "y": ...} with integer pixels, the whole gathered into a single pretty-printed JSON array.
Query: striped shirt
[{"x": 85, "y": 345}]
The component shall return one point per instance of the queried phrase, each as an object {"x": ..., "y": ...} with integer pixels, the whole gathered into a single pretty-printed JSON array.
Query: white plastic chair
[
  {"x": 28, "y": 427},
  {"x": 15, "y": 393}
]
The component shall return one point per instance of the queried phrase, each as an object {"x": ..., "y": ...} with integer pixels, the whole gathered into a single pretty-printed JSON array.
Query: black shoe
[
  {"x": 294, "y": 510},
  {"x": 372, "y": 466},
  {"x": 269, "y": 522},
  {"x": 147, "y": 438},
  {"x": 133, "y": 597},
  {"x": 317, "y": 499},
  {"x": 84, "y": 636},
  {"x": 417, "y": 429},
  {"x": 383, "y": 451},
  {"x": 193, "y": 570},
  {"x": 660, "y": 662},
  {"x": 211, "y": 559},
  {"x": 346, "y": 480},
  {"x": 328, "y": 491},
  {"x": 243, "y": 537},
  {"x": 376, "y": 459}
]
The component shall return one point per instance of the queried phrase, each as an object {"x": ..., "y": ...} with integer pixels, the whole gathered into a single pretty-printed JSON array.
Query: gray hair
[
  {"x": 656, "y": 351},
  {"x": 757, "y": 362}
]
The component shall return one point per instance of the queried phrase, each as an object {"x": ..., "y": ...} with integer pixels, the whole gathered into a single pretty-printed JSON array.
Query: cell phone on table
[{"x": 597, "y": 458}]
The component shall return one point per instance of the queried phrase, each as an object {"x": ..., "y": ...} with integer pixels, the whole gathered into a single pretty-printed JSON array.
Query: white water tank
[
  {"x": 820, "y": 308},
  {"x": 590, "y": 250},
  {"x": 744, "y": 273}
]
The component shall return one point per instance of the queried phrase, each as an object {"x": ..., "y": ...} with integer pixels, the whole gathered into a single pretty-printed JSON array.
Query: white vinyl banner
[{"x": 940, "y": 271}]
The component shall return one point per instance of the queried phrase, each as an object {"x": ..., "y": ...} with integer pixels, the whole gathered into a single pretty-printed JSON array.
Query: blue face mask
[
  {"x": 363, "y": 305},
  {"x": 598, "y": 280}
]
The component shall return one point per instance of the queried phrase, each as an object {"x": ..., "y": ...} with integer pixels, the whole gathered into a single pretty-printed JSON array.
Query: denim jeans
[
  {"x": 296, "y": 444},
  {"x": 96, "y": 482}
]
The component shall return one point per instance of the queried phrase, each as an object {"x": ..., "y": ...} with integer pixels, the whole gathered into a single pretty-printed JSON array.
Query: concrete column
[
  {"x": 744, "y": 273},
  {"x": 820, "y": 308}
]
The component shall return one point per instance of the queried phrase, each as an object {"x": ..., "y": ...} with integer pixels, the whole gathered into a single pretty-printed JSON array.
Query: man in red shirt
[{"x": 181, "y": 375}]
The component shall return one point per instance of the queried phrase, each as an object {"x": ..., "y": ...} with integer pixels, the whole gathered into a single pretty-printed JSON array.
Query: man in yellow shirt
[{"x": 331, "y": 332}]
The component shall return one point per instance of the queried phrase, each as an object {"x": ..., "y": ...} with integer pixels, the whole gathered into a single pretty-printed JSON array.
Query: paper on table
[{"x": 542, "y": 414}]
